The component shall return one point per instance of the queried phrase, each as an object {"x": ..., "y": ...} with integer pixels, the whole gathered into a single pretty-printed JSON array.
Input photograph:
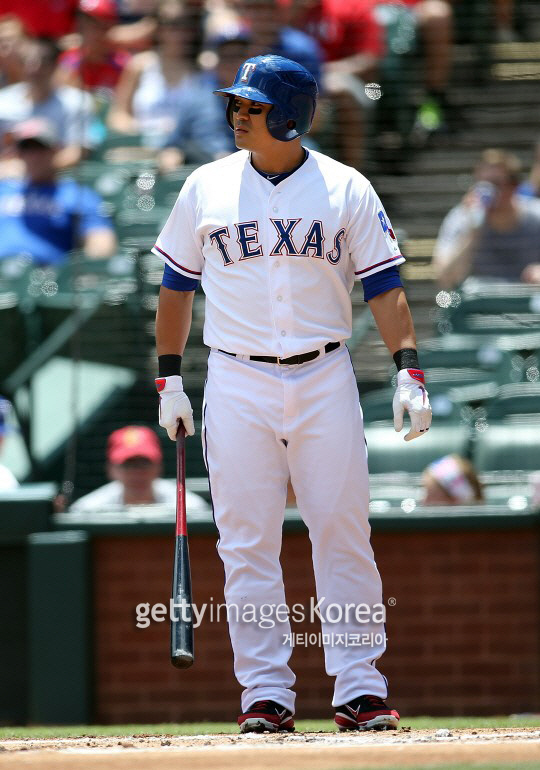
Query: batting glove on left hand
[
  {"x": 411, "y": 395},
  {"x": 174, "y": 406}
]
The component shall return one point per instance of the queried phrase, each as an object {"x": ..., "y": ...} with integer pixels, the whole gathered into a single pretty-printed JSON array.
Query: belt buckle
[{"x": 283, "y": 361}]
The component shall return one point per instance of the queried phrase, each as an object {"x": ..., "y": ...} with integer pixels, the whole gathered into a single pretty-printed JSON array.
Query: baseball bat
[{"x": 181, "y": 616}]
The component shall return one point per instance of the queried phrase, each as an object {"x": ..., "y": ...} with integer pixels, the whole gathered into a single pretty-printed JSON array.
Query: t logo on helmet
[{"x": 247, "y": 69}]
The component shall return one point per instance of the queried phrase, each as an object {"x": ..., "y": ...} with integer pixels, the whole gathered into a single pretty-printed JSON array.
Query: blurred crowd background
[{"x": 106, "y": 106}]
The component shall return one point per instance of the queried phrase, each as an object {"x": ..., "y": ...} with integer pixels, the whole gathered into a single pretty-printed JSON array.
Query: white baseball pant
[{"x": 263, "y": 422}]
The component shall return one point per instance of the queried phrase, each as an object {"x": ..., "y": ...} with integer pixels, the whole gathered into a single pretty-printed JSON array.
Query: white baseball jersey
[{"x": 277, "y": 263}]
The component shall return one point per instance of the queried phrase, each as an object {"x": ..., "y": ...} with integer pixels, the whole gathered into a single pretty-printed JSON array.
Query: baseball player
[{"x": 277, "y": 236}]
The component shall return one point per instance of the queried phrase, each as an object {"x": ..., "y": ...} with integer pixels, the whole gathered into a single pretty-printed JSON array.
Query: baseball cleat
[
  {"x": 368, "y": 712},
  {"x": 266, "y": 716}
]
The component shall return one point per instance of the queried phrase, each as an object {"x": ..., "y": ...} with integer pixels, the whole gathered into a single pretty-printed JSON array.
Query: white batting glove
[
  {"x": 411, "y": 395},
  {"x": 174, "y": 406}
]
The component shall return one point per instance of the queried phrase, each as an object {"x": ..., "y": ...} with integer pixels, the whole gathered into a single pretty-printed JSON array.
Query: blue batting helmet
[{"x": 286, "y": 85}]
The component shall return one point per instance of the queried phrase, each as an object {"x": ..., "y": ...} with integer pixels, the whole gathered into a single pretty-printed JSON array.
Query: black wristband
[
  {"x": 169, "y": 365},
  {"x": 406, "y": 358}
]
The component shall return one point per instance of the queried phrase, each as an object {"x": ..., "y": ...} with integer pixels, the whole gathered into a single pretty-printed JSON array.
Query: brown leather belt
[{"x": 301, "y": 359}]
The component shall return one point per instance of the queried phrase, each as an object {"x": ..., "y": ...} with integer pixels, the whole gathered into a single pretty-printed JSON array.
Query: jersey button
[
  {"x": 275, "y": 209},
  {"x": 280, "y": 298},
  {"x": 283, "y": 333},
  {"x": 277, "y": 264}
]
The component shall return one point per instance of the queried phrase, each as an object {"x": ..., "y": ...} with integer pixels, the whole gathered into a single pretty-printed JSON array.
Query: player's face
[
  {"x": 136, "y": 475},
  {"x": 249, "y": 122}
]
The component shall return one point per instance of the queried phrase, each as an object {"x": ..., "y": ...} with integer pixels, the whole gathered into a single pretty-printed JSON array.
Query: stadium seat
[
  {"x": 508, "y": 446},
  {"x": 140, "y": 227},
  {"x": 113, "y": 140},
  {"x": 514, "y": 399},
  {"x": 387, "y": 450},
  {"x": 167, "y": 186},
  {"x": 485, "y": 357},
  {"x": 495, "y": 308}
]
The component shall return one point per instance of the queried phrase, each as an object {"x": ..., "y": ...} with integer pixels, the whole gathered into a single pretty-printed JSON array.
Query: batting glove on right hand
[
  {"x": 174, "y": 406},
  {"x": 411, "y": 395}
]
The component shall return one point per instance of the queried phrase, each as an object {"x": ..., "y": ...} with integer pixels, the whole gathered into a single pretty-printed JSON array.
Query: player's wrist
[
  {"x": 169, "y": 365},
  {"x": 406, "y": 358}
]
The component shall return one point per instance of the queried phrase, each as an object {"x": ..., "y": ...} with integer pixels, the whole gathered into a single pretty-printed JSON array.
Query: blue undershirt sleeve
[
  {"x": 380, "y": 282},
  {"x": 177, "y": 281}
]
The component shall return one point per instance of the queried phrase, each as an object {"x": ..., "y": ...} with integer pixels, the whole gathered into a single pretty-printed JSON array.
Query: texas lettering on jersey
[{"x": 289, "y": 241}]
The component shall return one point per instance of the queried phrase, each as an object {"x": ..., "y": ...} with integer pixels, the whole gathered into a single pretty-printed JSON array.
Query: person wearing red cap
[
  {"x": 134, "y": 465},
  {"x": 95, "y": 63}
]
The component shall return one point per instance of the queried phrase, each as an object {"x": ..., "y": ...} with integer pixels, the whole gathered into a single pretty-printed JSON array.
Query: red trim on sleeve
[
  {"x": 185, "y": 269},
  {"x": 384, "y": 262}
]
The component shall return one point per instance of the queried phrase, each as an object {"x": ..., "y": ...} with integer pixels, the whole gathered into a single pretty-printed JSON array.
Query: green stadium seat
[
  {"x": 486, "y": 357},
  {"x": 114, "y": 140},
  {"x": 167, "y": 186},
  {"x": 514, "y": 399},
  {"x": 496, "y": 308},
  {"x": 515, "y": 343},
  {"x": 388, "y": 452},
  {"x": 508, "y": 446},
  {"x": 139, "y": 227}
]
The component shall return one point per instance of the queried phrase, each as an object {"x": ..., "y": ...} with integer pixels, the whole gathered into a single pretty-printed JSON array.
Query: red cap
[
  {"x": 105, "y": 10},
  {"x": 133, "y": 441}
]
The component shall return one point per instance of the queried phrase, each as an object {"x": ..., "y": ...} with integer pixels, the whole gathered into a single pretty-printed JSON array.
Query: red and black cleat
[
  {"x": 266, "y": 715},
  {"x": 368, "y": 712}
]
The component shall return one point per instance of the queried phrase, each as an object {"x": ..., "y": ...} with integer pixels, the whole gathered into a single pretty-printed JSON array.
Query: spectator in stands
[
  {"x": 69, "y": 109},
  {"x": 434, "y": 20},
  {"x": 212, "y": 137},
  {"x": 137, "y": 25},
  {"x": 134, "y": 465},
  {"x": 95, "y": 63},
  {"x": 530, "y": 188},
  {"x": 451, "y": 480},
  {"x": 269, "y": 34},
  {"x": 44, "y": 19},
  {"x": 11, "y": 46},
  {"x": 157, "y": 85},
  {"x": 493, "y": 233},
  {"x": 352, "y": 42},
  {"x": 43, "y": 217},
  {"x": 504, "y": 21},
  {"x": 7, "y": 479}
]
